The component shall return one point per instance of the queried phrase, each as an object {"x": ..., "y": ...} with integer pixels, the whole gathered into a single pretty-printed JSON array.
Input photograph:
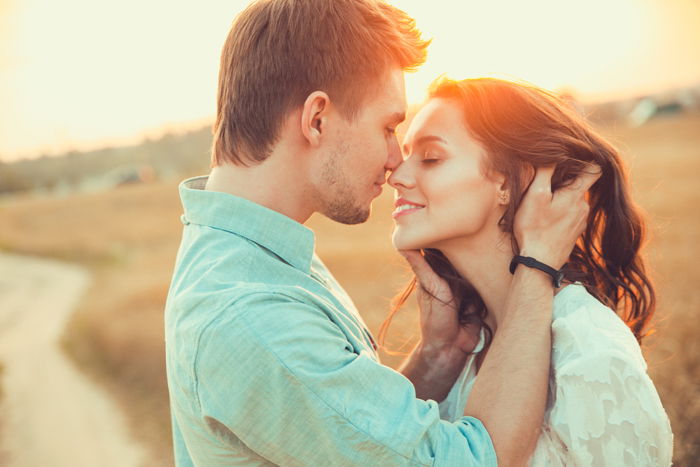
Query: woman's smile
[{"x": 404, "y": 207}]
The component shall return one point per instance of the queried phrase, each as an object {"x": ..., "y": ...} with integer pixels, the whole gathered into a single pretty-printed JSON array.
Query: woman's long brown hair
[{"x": 523, "y": 127}]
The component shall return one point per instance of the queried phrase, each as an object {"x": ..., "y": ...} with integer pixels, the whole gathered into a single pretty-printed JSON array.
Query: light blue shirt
[{"x": 269, "y": 362}]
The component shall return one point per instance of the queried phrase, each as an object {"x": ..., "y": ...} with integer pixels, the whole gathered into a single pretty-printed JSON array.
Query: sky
[{"x": 81, "y": 74}]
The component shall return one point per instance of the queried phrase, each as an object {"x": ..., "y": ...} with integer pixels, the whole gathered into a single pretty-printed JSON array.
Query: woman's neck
[{"x": 484, "y": 263}]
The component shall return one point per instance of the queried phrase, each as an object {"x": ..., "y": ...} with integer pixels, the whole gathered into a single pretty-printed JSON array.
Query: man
[{"x": 268, "y": 360}]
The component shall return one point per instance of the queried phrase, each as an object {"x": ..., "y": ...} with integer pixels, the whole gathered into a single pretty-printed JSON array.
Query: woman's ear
[
  {"x": 502, "y": 189},
  {"x": 503, "y": 197},
  {"x": 314, "y": 117}
]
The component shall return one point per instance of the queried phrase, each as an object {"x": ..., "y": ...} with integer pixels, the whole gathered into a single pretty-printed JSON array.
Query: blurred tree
[{"x": 11, "y": 182}]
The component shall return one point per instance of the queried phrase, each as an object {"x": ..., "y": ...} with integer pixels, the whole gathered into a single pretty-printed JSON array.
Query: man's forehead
[
  {"x": 388, "y": 98},
  {"x": 393, "y": 92},
  {"x": 389, "y": 111}
]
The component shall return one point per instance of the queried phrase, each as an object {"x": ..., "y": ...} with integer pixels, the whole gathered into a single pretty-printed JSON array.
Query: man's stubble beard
[{"x": 340, "y": 203}]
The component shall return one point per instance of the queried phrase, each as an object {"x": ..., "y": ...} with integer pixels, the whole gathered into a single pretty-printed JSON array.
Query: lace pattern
[{"x": 602, "y": 408}]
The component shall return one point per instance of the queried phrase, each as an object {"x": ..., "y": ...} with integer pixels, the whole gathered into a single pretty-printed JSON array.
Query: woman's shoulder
[
  {"x": 583, "y": 328},
  {"x": 600, "y": 393}
]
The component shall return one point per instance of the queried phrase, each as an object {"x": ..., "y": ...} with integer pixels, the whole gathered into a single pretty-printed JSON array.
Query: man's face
[{"x": 363, "y": 150}]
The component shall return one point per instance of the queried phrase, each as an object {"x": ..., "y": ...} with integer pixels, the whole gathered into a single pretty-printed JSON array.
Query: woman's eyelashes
[
  {"x": 430, "y": 157},
  {"x": 426, "y": 157}
]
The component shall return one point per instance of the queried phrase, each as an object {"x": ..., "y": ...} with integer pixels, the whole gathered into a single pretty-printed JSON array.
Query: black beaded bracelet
[{"x": 557, "y": 276}]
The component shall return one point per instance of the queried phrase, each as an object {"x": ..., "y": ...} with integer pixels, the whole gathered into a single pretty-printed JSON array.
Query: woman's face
[{"x": 442, "y": 192}]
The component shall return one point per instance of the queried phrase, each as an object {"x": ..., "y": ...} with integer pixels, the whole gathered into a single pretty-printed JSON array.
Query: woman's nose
[{"x": 401, "y": 176}]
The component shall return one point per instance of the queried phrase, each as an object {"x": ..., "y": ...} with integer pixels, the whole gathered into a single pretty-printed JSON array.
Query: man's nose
[{"x": 394, "y": 158}]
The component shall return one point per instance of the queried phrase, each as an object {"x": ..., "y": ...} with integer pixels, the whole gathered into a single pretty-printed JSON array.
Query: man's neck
[{"x": 273, "y": 184}]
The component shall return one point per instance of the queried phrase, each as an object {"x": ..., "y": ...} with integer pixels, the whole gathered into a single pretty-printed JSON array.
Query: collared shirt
[{"x": 269, "y": 362}]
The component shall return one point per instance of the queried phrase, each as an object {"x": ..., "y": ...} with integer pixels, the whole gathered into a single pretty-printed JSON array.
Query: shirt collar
[{"x": 285, "y": 237}]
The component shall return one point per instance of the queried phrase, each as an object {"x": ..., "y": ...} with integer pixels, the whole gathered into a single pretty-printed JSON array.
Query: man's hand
[
  {"x": 435, "y": 364},
  {"x": 439, "y": 321},
  {"x": 548, "y": 224}
]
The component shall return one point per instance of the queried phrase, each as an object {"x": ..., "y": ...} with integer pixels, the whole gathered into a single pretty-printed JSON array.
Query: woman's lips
[{"x": 405, "y": 208}]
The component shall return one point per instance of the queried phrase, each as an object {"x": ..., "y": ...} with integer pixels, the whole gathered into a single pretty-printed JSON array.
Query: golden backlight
[
  {"x": 599, "y": 49},
  {"x": 85, "y": 73}
]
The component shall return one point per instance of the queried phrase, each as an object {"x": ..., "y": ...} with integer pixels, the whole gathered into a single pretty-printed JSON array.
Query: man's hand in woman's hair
[{"x": 548, "y": 224}]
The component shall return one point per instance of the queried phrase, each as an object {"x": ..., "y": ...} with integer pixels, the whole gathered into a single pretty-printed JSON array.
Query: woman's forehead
[{"x": 439, "y": 119}]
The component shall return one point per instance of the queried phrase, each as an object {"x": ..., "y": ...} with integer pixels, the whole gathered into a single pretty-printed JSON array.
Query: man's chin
[
  {"x": 353, "y": 219},
  {"x": 350, "y": 216}
]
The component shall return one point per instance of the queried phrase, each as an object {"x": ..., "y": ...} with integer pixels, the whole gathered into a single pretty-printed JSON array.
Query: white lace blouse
[{"x": 602, "y": 408}]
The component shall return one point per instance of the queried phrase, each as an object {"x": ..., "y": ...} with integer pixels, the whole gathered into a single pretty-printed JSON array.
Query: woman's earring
[{"x": 504, "y": 197}]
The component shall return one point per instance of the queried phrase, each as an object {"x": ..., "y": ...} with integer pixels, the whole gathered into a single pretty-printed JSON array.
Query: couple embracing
[{"x": 514, "y": 215}]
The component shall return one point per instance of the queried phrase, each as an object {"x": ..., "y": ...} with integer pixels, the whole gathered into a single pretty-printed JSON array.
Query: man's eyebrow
[
  {"x": 398, "y": 117},
  {"x": 424, "y": 139}
]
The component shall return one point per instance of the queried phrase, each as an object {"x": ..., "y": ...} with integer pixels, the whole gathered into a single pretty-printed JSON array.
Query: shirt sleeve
[
  {"x": 608, "y": 413},
  {"x": 182, "y": 456},
  {"x": 282, "y": 377}
]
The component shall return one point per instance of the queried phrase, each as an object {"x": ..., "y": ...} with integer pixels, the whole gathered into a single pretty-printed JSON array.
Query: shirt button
[{"x": 184, "y": 220}]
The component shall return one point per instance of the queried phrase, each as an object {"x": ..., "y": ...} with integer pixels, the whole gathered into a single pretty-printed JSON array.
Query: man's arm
[
  {"x": 433, "y": 370},
  {"x": 439, "y": 357},
  {"x": 274, "y": 375},
  {"x": 510, "y": 394}
]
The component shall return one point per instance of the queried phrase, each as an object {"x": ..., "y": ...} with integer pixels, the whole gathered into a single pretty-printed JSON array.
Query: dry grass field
[
  {"x": 2, "y": 454},
  {"x": 129, "y": 237}
]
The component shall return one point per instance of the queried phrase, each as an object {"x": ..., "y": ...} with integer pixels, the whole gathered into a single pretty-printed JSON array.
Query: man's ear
[{"x": 314, "y": 117}]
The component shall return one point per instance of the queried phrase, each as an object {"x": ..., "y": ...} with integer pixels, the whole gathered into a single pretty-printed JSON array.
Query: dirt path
[{"x": 51, "y": 414}]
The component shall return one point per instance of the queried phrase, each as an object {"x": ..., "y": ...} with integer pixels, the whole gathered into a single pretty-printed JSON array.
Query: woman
[{"x": 470, "y": 154}]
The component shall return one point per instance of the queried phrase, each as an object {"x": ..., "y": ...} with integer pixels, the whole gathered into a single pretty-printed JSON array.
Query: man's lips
[{"x": 404, "y": 206}]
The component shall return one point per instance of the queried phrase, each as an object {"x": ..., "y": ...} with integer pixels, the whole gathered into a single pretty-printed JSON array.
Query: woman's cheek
[{"x": 466, "y": 207}]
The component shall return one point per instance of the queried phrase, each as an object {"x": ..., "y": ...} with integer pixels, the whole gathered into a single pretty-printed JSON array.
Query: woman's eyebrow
[{"x": 424, "y": 139}]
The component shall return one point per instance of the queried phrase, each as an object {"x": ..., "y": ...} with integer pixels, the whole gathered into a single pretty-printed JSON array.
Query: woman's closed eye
[{"x": 430, "y": 157}]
